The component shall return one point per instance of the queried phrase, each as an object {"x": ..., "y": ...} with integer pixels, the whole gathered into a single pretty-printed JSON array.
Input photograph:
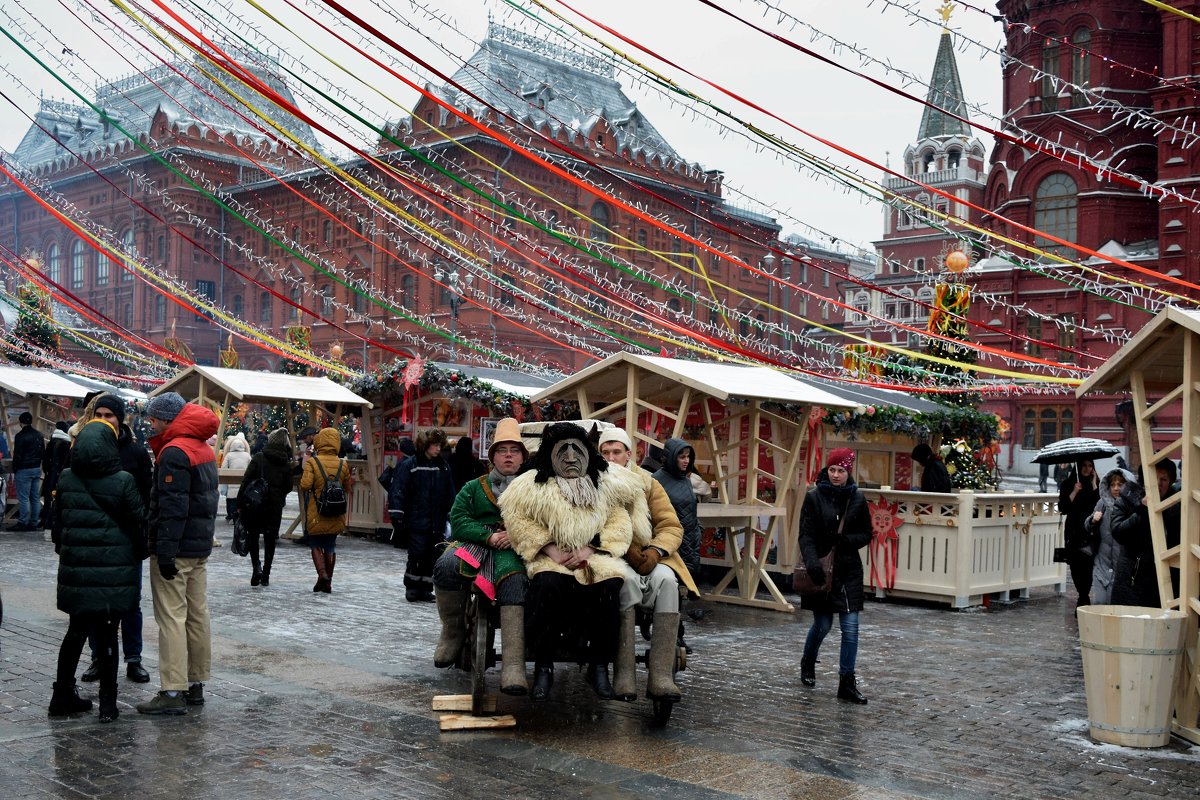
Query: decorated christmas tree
[{"x": 34, "y": 325}]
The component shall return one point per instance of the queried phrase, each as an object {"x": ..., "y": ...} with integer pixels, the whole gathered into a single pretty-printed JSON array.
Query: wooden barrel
[{"x": 1131, "y": 660}]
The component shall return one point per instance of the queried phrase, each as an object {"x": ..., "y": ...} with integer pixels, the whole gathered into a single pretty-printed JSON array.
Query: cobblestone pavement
[{"x": 328, "y": 696}]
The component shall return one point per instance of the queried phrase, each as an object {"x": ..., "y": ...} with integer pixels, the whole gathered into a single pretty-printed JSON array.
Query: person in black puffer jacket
[
  {"x": 673, "y": 475},
  {"x": 1077, "y": 497},
  {"x": 1135, "y": 577},
  {"x": 100, "y": 517},
  {"x": 420, "y": 497},
  {"x": 835, "y": 514},
  {"x": 274, "y": 464}
]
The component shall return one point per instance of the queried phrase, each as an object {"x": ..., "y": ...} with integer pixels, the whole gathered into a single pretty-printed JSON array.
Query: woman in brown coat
[{"x": 323, "y": 529}]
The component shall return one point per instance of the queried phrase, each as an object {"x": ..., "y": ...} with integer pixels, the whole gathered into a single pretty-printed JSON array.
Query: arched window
[
  {"x": 953, "y": 157},
  {"x": 326, "y": 293},
  {"x": 127, "y": 242},
  {"x": 641, "y": 237},
  {"x": 674, "y": 305},
  {"x": 239, "y": 306},
  {"x": 1050, "y": 77},
  {"x": 293, "y": 311},
  {"x": 78, "y": 257},
  {"x": 408, "y": 291},
  {"x": 327, "y": 232},
  {"x": 264, "y": 309},
  {"x": 103, "y": 265},
  {"x": 862, "y": 304},
  {"x": 927, "y": 162},
  {"x": 599, "y": 227},
  {"x": 1056, "y": 211},
  {"x": 54, "y": 263},
  {"x": 160, "y": 309},
  {"x": 1082, "y": 39}
]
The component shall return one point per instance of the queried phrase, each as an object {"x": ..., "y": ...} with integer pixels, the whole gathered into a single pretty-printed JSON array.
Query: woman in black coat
[
  {"x": 1135, "y": 576},
  {"x": 98, "y": 535},
  {"x": 274, "y": 465},
  {"x": 1077, "y": 497},
  {"x": 834, "y": 515}
]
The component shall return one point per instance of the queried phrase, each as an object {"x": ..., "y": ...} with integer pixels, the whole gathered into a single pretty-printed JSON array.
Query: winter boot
[
  {"x": 663, "y": 644},
  {"x": 808, "y": 671},
  {"x": 450, "y": 605},
  {"x": 318, "y": 557},
  {"x": 66, "y": 700},
  {"x": 265, "y": 580},
  {"x": 848, "y": 690},
  {"x": 330, "y": 563},
  {"x": 512, "y": 652},
  {"x": 543, "y": 681},
  {"x": 597, "y": 678},
  {"x": 108, "y": 705},
  {"x": 624, "y": 671},
  {"x": 92, "y": 673}
]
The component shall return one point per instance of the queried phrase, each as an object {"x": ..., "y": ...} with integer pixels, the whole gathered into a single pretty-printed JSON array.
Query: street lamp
[{"x": 455, "y": 284}]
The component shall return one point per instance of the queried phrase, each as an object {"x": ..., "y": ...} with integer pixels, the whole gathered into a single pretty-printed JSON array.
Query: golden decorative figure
[{"x": 945, "y": 10}]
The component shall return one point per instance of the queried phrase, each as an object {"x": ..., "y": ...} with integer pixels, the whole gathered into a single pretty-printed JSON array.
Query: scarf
[{"x": 499, "y": 482}]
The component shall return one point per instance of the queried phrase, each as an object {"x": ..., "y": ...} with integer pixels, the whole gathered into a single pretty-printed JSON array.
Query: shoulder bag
[{"x": 802, "y": 582}]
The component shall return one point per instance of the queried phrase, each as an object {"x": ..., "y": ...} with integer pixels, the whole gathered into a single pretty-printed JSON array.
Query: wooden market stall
[
  {"x": 222, "y": 389},
  {"x": 733, "y": 415},
  {"x": 39, "y": 391},
  {"x": 1161, "y": 367}
]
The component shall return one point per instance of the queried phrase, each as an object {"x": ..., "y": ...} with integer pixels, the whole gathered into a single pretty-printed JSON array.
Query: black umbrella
[{"x": 1074, "y": 450}]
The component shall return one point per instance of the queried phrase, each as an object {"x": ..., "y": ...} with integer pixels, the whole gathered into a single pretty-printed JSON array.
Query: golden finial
[
  {"x": 335, "y": 351},
  {"x": 945, "y": 10}
]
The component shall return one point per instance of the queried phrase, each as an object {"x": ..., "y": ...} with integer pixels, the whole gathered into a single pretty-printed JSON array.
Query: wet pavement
[{"x": 328, "y": 696}]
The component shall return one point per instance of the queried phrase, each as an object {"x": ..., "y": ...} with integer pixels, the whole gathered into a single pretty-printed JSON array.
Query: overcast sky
[{"x": 816, "y": 97}]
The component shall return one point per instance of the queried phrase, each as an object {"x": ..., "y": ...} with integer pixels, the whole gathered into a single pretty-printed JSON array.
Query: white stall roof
[
  {"x": 31, "y": 382},
  {"x": 722, "y": 381},
  {"x": 93, "y": 385},
  {"x": 253, "y": 387}
]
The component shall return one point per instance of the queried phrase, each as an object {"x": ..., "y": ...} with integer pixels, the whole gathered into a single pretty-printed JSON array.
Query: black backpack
[
  {"x": 252, "y": 500},
  {"x": 332, "y": 500}
]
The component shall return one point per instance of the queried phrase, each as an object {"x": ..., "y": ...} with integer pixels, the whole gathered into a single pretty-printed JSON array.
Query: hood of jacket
[
  {"x": 237, "y": 444},
  {"x": 1126, "y": 474},
  {"x": 60, "y": 436},
  {"x": 194, "y": 422},
  {"x": 95, "y": 453},
  {"x": 672, "y": 449},
  {"x": 328, "y": 442}
]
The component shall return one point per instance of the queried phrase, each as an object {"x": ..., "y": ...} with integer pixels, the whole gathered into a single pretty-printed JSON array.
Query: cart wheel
[
  {"x": 662, "y": 711},
  {"x": 477, "y": 621}
]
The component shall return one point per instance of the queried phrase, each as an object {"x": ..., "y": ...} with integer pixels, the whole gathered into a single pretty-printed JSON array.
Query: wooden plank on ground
[
  {"x": 460, "y": 702},
  {"x": 466, "y": 722}
]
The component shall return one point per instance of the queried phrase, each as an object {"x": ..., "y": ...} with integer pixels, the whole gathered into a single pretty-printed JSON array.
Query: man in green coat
[{"x": 482, "y": 554}]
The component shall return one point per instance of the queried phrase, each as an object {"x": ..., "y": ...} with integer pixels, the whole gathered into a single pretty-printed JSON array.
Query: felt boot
[
  {"x": 663, "y": 643},
  {"x": 624, "y": 671},
  {"x": 451, "y": 605},
  {"x": 512, "y": 653}
]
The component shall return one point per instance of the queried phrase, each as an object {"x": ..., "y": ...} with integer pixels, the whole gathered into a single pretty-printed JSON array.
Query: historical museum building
[{"x": 410, "y": 247}]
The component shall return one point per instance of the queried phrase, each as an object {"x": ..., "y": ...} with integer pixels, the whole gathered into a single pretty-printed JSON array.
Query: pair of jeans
[
  {"x": 822, "y": 622},
  {"x": 184, "y": 635},
  {"x": 131, "y": 632},
  {"x": 28, "y": 482}
]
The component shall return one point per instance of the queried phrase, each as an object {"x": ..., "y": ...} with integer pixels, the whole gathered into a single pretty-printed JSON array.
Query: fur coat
[{"x": 537, "y": 514}]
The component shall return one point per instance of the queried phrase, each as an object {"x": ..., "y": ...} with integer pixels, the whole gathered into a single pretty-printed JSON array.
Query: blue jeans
[
  {"x": 131, "y": 631},
  {"x": 822, "y": 622},
  {"x": 29, "y": 495}
]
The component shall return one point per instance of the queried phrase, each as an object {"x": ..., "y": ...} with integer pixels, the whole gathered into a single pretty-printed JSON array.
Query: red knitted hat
[{"x": 842, "y": 457}]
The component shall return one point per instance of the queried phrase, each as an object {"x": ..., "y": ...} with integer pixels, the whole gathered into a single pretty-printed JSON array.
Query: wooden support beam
[{"x": 461, "y": 702}]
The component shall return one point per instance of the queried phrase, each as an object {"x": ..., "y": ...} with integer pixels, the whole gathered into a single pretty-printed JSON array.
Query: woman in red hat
[{"x": 835, "y": 515}]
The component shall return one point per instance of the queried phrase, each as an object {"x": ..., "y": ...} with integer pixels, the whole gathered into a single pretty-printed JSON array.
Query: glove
[
  {"x": 167, "y": 568},
  {"x": 816, "y": 572},
  {"x": 643, "y": 559}
]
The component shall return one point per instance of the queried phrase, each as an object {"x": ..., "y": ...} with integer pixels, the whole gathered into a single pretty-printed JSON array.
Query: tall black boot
[
  {"x": 256, "y": 570},
  {"x": 66, "y": 700},
  {"x": 108, "y": 705},
  {"x": 597, "y": 677},
  {"x": 543, "y": 680},
  {"x": 808, "y": 671},
  {"x": 848, "y": 690}
]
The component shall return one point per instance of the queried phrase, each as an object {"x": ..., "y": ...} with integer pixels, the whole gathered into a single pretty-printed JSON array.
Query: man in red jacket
[{"x": 183, "y": 514}]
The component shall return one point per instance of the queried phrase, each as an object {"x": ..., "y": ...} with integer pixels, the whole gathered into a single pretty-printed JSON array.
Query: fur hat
[
  {"x": 430, "y": 436},
  {"x": 114, "y": 404},
  {"x": 842, "y": 457},
  {"x": 559, "y": 432},
  {"x": 615, "y": 434},
  {"x": 508, "y": 431},
  {"x": 165, "y": 406}
]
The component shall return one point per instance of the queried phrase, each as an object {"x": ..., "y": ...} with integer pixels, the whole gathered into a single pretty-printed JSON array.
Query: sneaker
[
  {"x": 164, "y": 703},
  {"x": 195, "y": 694},
  {"x": 92, "y": 673},
  {"x": 136, "y": 672}
]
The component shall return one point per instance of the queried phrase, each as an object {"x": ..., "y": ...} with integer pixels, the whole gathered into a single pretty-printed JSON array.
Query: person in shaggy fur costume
[{"x": 571, "y": 519}]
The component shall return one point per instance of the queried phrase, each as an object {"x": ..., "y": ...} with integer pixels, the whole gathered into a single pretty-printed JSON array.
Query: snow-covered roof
[
  {"x": 520, "y": 383},
  {"x": 93, "y": 385},
  {"x": 718, "y": 380},
  {"x": 32, "y": 382},
  {"x": 246, "y": 386}
]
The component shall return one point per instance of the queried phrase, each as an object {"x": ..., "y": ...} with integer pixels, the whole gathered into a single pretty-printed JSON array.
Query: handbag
[
  {"x": 802, "y": 582},
  {"x": 239, "y": 546}
]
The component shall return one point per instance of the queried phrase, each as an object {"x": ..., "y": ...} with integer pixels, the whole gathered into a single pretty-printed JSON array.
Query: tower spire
[{"x": 945, "y": 92}]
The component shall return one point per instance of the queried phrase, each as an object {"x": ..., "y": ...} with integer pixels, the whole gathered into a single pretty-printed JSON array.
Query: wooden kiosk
[
  {"x": 746, "y": 439},
  {"x": 1161, "y": 366},
  {"x": 221, "y": 389}
]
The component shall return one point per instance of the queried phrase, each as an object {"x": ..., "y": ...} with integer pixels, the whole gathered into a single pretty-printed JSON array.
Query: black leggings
[
  {"x": 268, "y": 538},
  {"x": 105, "y": 627},
  {"x": 559, "y": 606}
]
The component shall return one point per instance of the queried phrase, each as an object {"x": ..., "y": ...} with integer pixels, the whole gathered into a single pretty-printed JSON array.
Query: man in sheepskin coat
[{"x": 570, "y": 520}]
